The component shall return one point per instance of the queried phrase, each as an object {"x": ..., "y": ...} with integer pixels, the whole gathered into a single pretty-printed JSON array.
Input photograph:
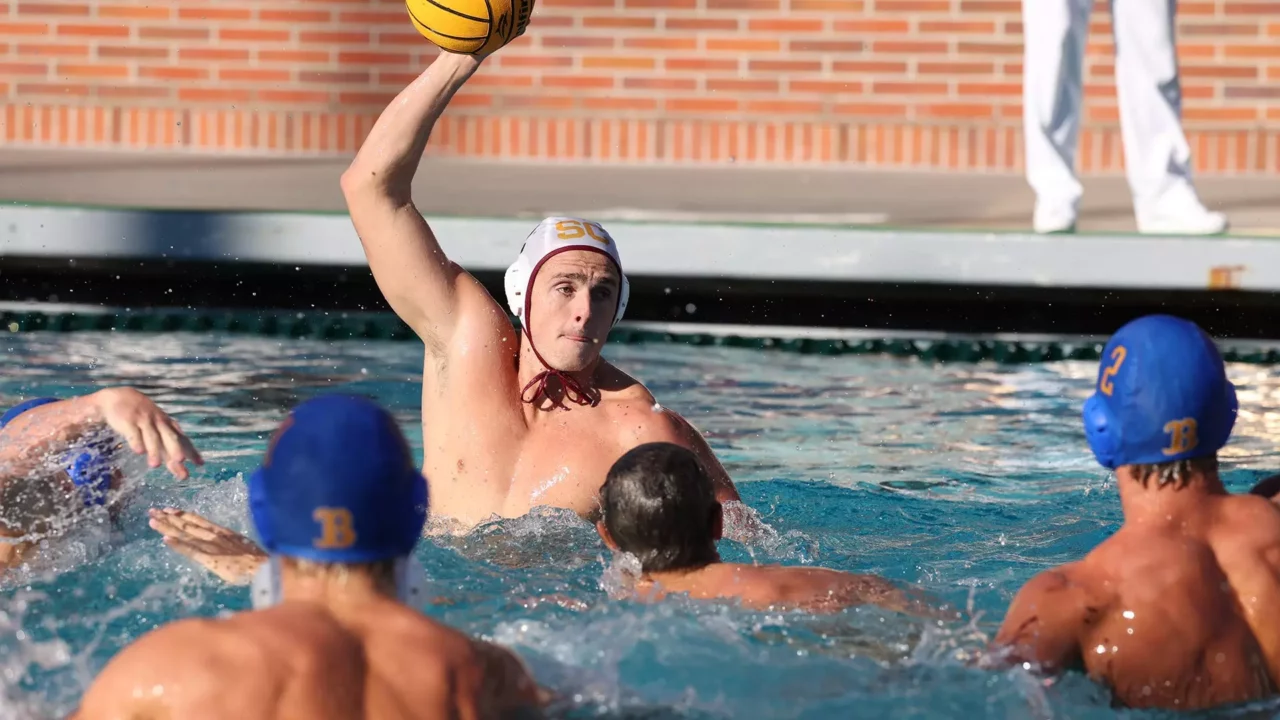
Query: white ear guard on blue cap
[
  {"x": 410, "y": 582},
  {"x": 552, "y": 236}
]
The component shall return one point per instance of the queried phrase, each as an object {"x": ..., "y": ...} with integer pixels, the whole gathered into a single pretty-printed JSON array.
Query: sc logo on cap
[
  {"x": 337, "y": 528},
  {"x": 572, "y": 230}
]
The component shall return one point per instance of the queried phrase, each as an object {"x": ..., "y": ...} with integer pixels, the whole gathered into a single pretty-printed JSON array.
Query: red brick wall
[{"x": 925, "y": 83}]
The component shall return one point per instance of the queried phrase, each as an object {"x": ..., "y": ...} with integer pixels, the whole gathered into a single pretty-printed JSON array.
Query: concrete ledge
[
  {"x": 528, "y": 190},
  {"x": 760, "y": 252}
]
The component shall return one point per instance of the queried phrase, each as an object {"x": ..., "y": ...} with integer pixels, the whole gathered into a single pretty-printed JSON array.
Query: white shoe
[
  {"x": 1192, "y": 220},
  {"x": 1054, "y": 218}
]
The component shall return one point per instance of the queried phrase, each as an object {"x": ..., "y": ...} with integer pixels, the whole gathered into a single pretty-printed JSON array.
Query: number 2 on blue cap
[
  {"x": 1105, "y": 385},
  {"x": 337, "y": 528}
]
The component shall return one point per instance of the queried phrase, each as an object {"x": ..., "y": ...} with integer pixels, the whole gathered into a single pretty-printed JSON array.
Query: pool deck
[
  {"x": 903, "y": 199},
  {"x": 792, "y": 232}
]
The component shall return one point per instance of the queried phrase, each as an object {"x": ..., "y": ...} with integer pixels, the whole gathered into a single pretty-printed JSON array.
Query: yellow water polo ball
[{"x": 470, "y": 27}]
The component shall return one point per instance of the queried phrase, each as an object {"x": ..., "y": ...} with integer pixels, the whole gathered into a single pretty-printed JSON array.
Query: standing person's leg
[
  {"x": 1054, "y": 33},
  {"x": 1157, "y": 157}
]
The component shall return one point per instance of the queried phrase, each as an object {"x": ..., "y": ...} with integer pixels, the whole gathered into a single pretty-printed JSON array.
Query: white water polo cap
[{"x": 551, "y": 237}]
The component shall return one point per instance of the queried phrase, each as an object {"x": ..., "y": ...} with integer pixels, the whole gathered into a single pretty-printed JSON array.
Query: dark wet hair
[
  {"x": 1267, "y": 487},
  {"x": 1177, "y": 473},
  {"x": 659, "y": 505}
]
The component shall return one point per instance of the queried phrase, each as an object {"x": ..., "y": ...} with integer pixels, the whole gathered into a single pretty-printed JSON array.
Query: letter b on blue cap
[
  {"x": 337, "y": 528},
  {"x": 1162, "y": 395}
]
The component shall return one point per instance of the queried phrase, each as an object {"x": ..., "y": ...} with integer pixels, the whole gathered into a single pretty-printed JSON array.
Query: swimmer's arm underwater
[
  {"x": 413, "y": 273},
  {"x": 1044, "y": 624},
  {"x": 27, "y": 440}
]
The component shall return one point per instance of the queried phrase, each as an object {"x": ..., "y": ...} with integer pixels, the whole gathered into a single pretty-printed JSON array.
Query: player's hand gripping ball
[{"x": 470, "y": 27}]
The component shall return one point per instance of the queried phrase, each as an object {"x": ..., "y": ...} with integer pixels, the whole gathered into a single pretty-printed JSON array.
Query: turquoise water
[{"x": 963, "y": 480}]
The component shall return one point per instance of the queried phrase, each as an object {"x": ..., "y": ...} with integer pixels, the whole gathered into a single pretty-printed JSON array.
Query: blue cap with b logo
[
  {"x": 1162, "y": 395},
  {"x": 338, "y": 484}
]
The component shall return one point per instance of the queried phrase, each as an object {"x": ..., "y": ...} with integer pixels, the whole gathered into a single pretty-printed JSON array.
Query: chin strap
[{"x": 574, "y": 392}]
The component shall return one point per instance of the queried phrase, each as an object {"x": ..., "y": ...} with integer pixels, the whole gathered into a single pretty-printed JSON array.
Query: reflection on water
[{"x": 962, "y": 479}]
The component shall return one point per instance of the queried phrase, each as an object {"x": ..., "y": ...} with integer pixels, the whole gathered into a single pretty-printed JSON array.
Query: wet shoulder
[
  {"x": 619, "y": 388},
  {"x": 1135, "y": 561},
  {"x": 183, "y": 665},
  {"x": 1247, "y": 526},
  {"x": 448, "y": 669},
  {"x": 1153, "y": 565},
  {"x": 302, "y": 637},
  {"x": 1253, "y": 514},
  {"x": 401, "y": 634},
  {"x": 635, "y": 412},
  {"x": 777, "y": 585},
  {"x": 1086, "y": 588}
]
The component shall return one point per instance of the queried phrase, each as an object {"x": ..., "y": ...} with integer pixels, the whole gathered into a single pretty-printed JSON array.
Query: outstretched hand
[
  {"x": 147, "y": 429},
  {"x": 222, "y": 551}
]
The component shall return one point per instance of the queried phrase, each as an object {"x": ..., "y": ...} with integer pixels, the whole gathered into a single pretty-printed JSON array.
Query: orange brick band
[
  {"x": 910, "y": 83},
  {"x": 605, "y": 140}
]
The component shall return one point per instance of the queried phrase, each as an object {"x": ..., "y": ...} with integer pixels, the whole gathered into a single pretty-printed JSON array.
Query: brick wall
[{"x": 923, "y": 83}]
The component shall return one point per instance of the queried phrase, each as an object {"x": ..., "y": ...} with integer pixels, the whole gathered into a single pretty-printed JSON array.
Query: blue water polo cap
[
  {"x": 89, "y": 465},
  {"x": 338, "y": 484},
  {"x": 1162, "y": 395}
]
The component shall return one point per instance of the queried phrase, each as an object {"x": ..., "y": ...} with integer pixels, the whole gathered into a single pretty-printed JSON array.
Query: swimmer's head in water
[
  {"x": 338, "y": 485},
  {"x": 660, "y": 505},
  {"x": 1162, "y": 395},
  {"x": 568, "y": 290},
  {"x": 90, "y": 465}
]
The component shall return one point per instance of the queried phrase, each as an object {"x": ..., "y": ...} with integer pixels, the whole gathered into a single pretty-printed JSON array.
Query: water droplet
[
  {"x": 1100, "y": 649},
  {"x": 1128, "y": 614}
]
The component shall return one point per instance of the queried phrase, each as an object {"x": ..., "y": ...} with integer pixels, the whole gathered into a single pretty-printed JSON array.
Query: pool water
[{"x": 961, "y": 479}]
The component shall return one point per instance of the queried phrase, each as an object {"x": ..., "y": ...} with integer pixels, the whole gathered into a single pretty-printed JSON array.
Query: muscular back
[
  {"x": 1177, "y": 612},
  {"x": 298, "y": 660}
]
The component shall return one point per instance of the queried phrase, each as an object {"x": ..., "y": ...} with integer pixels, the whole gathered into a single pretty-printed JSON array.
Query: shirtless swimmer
[
  {"x": 335, "y": 631},
  {"x": 520, "y": 418}
]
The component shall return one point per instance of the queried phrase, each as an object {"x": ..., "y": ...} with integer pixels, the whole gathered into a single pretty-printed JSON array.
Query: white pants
[{"x": 1157, "y": 158}]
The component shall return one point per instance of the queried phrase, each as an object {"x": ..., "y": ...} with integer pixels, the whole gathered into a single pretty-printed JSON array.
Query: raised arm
[
  {"x": 690, "y": 437},
  {"x": 411, "y": 270}
]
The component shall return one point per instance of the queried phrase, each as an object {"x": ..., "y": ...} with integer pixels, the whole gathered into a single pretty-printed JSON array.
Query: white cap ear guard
[{"x": 555, "y": 235}]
